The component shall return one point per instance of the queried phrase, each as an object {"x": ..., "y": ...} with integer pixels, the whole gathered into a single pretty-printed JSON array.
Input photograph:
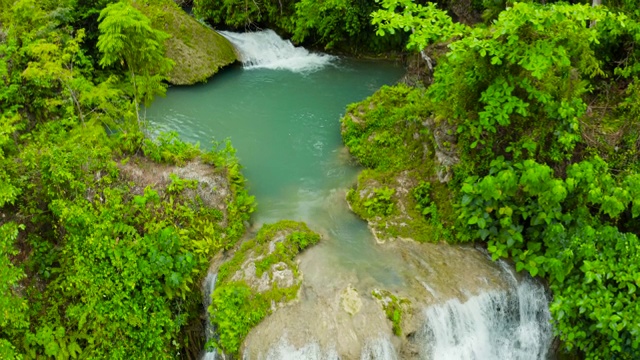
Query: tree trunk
[
  {"x": 135, "y": 97},
  {"x": 595, "y": 3}
]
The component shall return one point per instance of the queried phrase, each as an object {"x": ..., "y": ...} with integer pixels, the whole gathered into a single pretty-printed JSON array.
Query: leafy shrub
[
  {"x": 235, "y": 311},
  {"x": 168, "y": 148},
  {"x": 422, "y": 196},
  {"x": 381, "y": 202}
]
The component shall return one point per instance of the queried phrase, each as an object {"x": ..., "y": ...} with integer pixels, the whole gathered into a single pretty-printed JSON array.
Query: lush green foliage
[
  {"x": 332, "y": 23},
  {"x": 562, "y": 229},
  {"x": 127, "y": 39},
  {"x": 427, "y": 23},
  {"x": 536, "y": 178},
  {"x": 389, "y": 193},
  {"x": 94, "y": 261},
  {"x": 236, "y": 307},
  {"x": 13, "y": 307}
]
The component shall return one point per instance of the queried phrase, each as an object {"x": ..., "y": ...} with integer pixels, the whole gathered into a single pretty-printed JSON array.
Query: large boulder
[{"x": 198, "y": 51}]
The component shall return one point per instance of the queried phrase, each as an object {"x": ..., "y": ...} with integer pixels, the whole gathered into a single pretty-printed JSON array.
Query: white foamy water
[
  {"x": 286, "y": 351},
  {"x": 379, "y": 349},
  {"x": 208, "y": 285},
  {"x": 266, "y": 50},
  {"x": 512, "y": 325}
]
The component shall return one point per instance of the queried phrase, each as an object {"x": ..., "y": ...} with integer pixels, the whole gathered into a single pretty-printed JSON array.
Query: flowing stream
[{"x": 281, "y": 110}]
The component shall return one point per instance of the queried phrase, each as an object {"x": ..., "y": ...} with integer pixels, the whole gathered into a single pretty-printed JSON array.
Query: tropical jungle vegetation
[
  {"x": 96, "y": 262},
  {"x": 539, "y": 104},
  {"x": 524, "y": 132}
]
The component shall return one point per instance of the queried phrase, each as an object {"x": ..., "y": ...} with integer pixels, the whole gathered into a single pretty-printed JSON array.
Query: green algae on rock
[
  {"x": 391, "y": 193},
  {"x": 198, "y": 52},
  {"x": 261, "y": 276}
]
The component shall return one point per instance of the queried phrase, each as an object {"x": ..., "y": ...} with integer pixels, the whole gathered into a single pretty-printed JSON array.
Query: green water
[{"x": 285, "y": 127}]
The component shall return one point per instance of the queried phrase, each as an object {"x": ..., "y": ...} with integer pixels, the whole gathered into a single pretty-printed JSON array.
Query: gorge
[{"x": 281, "y": 111}]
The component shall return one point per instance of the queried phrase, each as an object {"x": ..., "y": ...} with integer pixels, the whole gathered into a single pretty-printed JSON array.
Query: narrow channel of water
[{"x": 282, "y": 114}]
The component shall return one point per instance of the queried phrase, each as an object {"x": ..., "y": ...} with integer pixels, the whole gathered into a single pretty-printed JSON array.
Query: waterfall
[
  {"x": 312, "y": 351},
  {"x": 375, "y": 349},
  {"x": 266, "y": 50},
  {"x": 379, "y": 349},
  {"x": 513, "y": 324},
  {"x": 208, "y": 285}
]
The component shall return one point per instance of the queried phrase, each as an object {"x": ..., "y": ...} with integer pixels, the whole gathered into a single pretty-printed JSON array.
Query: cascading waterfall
[
  {"x": 379, "y": 349},
  {"x": 513, "y": 324},
  {"x": 376, "y": 349},
  {"x": 208, "y": 285},
  {"x": 266, "y": 50},
  {"x": 312, "y": 351}
]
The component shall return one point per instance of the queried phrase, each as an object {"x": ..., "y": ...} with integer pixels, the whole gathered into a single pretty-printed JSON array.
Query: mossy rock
[
  {"x": 394, "y": 307},
  {"x": 261, "y": 276},
  {"x": 198, "y": 52},
  {"x": 405, "y": 219},
  {"x": 387, "y": 193}
]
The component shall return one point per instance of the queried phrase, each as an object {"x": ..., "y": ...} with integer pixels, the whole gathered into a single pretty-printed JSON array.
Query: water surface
[{"x": 285, "y": 127}]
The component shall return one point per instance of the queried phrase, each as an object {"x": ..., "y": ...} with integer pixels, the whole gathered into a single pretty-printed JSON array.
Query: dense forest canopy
[{"x": 539, "y": 100}]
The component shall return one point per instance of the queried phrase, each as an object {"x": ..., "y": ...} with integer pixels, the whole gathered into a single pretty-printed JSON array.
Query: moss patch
[
  {"x": 385, "y": 131},
  {"x": 198, "y": 52},
  {"x": 395, "y": 307},
  {"x": 260, "y": 276},
  {"x": 399, "y": 193}
]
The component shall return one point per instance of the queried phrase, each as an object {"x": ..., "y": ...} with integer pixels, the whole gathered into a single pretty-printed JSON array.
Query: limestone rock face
[
  {"x": 213, "y": 187},
  {"x": 446, "y": 151},
  {"x": 341, "y": 315},
  {"x": 198, "y": 51}
]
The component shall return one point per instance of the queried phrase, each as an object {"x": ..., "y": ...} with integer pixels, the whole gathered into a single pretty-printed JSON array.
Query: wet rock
[
  {"x": 337, "y": 316},
  {"x": 350, "y": 300},
  {"x": 279, "y": 274},
  {"x": 282, "y": 276}
]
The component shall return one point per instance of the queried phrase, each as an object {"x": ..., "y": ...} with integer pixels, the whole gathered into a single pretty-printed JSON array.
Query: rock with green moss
[
  {"x": 394, "y": 306},
  {"x": 402, "y": 206},
  {"x": 261, "y": 276},
  {"x": 401, "y": 194},
  {"x": 198, "y": 52}
]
